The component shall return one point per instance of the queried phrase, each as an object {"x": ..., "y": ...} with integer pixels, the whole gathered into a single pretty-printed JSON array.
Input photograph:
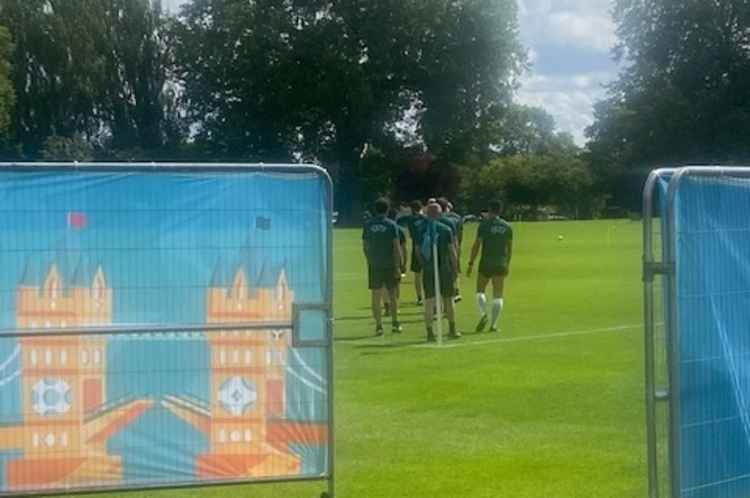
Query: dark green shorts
[
  {"x": 416, "y": 264},
  {"x": 447, "y": 284},
  {"x": 383, "y": 277},
  {"x": 490, "y": 272}
]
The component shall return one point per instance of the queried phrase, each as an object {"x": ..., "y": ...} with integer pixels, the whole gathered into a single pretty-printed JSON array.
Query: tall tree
[
  {"x": 91, "y": 70},
  {"x": 275, "y": 79},
  {"x": 7, "y": 94},
  {"x": 57, "y": 70},
  {"x": 139, "y": 95},
  {"x": 684, "y": 95}
]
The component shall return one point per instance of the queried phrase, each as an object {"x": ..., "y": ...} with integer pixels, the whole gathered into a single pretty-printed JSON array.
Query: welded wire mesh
[
  {"x": 706, "y": 298},
  {"x": 146, "y": 327}
]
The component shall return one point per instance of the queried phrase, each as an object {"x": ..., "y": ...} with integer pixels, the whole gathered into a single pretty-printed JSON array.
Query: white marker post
[{"x": 438, "y": 291}]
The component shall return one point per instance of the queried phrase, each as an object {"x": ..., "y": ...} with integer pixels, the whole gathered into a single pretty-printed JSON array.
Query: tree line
[{"x": 400, "y": 97}]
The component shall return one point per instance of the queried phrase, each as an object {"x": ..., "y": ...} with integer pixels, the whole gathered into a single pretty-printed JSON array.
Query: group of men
[{"x": 436, "y": 234}]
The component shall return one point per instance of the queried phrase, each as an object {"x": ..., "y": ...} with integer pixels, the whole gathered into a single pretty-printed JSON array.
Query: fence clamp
[
  {"x": 661, "y": 395},
  {"x": 651, "y": 269}
]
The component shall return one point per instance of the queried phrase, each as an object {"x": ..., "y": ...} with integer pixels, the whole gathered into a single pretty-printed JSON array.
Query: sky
[{"x": 569, "y": 44}]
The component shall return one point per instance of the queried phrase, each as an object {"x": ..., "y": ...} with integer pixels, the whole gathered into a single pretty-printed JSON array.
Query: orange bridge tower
[
  {"x": 248, "y": 371},
  {"x": 66, "y": 422}
]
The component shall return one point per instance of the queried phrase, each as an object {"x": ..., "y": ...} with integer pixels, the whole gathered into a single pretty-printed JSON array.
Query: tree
[
  {"x": 57, "y": 70},
  {"x": 140, "y": 98},
  {"x": 320, "y": 80},
  {"x": 90, "y": 70},
  {"x": 530, "y": 130},
  {"x": 684, "y": 95},
  {"x": 7, "y": 95}
]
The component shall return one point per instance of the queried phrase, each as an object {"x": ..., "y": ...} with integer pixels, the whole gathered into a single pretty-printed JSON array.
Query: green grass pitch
[{"x": 550, "y": 408}]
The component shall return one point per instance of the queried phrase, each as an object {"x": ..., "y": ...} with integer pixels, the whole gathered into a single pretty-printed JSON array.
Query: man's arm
[
  {"x": 474, "y": 253},
  {"x": 510, "y": 251},
  {"x": 402, "y": 254},
  {"x": 397, "y": 255},
  {"x": 365, "y": 247},
  {"x": 454, "y": 257}
]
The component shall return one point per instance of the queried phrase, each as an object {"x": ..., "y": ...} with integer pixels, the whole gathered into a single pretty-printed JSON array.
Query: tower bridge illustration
[{"x": 67, "y": 419}]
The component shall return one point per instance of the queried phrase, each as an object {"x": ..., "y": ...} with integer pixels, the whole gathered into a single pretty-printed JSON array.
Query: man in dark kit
[
  {"x": 382, "y": 246},
  {"x": 439, "y": 234},
  {"x": 495, "y": 240}
]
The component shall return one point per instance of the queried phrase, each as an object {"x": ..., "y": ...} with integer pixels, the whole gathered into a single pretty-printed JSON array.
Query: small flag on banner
[
  {"x": 77, "y": 220},
  {"x": 262, "y": 223}
]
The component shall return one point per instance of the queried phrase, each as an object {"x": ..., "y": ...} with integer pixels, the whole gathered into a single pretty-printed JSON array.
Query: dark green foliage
[
  {"x": 7, "y": 94},
  {"x": 684, "y": 95},
  {"x": 279, "y": 80},
  {"x": 91, "y": 70}
]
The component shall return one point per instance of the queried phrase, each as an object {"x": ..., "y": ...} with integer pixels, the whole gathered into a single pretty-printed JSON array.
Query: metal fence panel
[
  {"x": 164, "y": 325},
  {"x": 657, "y": 303},
  {"x": 707, "y": 243}
]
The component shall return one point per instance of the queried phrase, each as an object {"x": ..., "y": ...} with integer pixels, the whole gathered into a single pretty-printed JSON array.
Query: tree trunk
[{"x": 348, "y": 185}]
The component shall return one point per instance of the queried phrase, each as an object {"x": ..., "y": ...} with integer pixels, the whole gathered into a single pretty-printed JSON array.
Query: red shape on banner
[{"x": 77, "y": 220}]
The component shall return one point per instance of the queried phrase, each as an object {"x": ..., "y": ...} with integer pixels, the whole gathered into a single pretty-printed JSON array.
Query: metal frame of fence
[
  {"x": 666, "y": 267},
  {"x": 327, "y": 307}
]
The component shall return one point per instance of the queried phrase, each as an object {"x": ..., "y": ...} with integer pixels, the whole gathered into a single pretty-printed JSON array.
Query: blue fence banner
[{"x": 147, "y": 326}]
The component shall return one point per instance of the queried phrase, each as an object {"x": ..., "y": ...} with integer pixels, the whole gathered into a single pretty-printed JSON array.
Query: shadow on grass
[
  {"x": 353, "y": 339},
  {"x": 350, "y": 318},
  {"x": 389, "y": 345}
]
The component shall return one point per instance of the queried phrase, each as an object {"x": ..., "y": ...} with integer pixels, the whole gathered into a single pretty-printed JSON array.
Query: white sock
[
  {"x": 497, "y": 309},
  {"x": 482, "y": 302}
]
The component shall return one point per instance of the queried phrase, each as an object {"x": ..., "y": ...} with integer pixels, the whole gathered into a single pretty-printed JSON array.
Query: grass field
[{"x": 552, "y": 407}]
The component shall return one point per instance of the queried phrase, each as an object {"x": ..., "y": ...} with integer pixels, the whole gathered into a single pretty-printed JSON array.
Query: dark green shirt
[
  {"x": 450, "y": 223},
  {"x": 458, "y": 222},
  {"x": 444, "y": 245},
  {"x": 495, "y": 234},
  {"x": 401, "y": 235},
  {"x": 415, "y": 225},
  {"x": 379, "y": 234}
]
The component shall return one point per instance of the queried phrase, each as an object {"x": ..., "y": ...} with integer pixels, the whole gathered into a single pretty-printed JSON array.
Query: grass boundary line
[{"x": 528, "y": 338}]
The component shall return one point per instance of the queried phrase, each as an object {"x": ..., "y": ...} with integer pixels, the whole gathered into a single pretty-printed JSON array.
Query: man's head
[
  {"x": 431, "y": 200},
  {"x": 416, "y": 207},
  {"x": 434, "y": 210},
  {"x": 444, "y": 204},
  {"x": 381, "y": 206},
  {"x": 495, "y": 208}
]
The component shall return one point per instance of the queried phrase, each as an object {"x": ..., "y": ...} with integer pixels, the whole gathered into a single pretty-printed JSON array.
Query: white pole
[{"x": 438, "y": 293}]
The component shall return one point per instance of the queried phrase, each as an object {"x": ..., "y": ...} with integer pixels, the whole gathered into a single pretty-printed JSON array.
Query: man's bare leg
[
  {"x": 418, "y": 286},
  {"x": 450, "y": 314},
  {"x": 482, "y": 282},
  {"x": 377, "y": 310},
  {"x": 429, "y": 313},
  {"x": 393, "y": 297},
  {"x": 498, "y": 288}
]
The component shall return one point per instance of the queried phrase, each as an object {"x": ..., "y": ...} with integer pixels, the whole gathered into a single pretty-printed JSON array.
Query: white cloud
[
  {"x": 587, "y": 31},
  {"x": 568, "y": 98},
  {"x": 585, "y": 24},
  {"x": 173, "y": 5},
  {"x": 570, "y": 41}
]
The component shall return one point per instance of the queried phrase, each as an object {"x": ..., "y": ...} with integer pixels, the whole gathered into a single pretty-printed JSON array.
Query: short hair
[
  {"x": 496, "y": 207},
  {"x": 444, "y": 204},
  {"x": 382, "y": 205},
  {"x": 434, "y": 210},
  {"x": 416, "y": 206}
]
